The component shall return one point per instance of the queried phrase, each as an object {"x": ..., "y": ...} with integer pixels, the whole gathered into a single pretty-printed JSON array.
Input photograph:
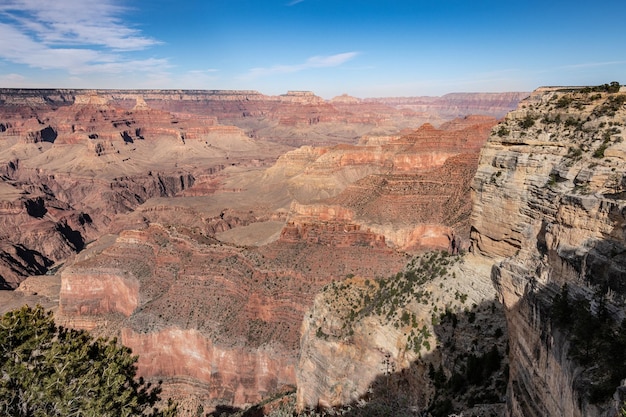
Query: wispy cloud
[
  {"x": 594, "y": 64},
  {"x": 12, "y": 80},
  {"x": 312, "y": 62},
  {"x": 294, "y": 2},
  {"x": 75, "y": 22},
  {"x": 78, "y": 36}
]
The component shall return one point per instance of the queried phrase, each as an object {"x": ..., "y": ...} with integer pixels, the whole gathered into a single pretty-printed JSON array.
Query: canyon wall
[
  {"x": 295, "y": 118},
  {"x": 549, "y": 210},
  {"x": 171, "y": 220},
  {"x": 411, "y": 191},
  {"x": 71, "y": 164},
  {"x": 176, "y": 270}
]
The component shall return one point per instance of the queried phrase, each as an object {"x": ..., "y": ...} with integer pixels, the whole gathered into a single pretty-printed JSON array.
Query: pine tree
[{"x": 47, "y": 370}]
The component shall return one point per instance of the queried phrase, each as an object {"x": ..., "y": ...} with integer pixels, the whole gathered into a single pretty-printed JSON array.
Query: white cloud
[
  {"x": 75, "y": 22},
  {"x": 294, "y": 2},
  {"x": 12, "y": 80},
  {"x": 312, "y": 62},
  {"x": 594, "y": 64},
  {"x": 76, "y": 36}
]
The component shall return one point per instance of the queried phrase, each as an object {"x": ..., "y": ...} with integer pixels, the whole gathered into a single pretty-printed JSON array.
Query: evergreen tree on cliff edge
[{"x": 48, "y": 370}]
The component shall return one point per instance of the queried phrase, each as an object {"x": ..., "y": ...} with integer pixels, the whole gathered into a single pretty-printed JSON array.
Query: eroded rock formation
[
  {"x": 547, "y": 229},
  {"x": 420, "y": 180},
  {"x": 70, "y": 165},
  {"x": 549, "y": 210}
]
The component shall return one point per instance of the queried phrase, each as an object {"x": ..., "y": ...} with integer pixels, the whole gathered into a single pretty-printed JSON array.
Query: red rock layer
[
  {"x": 221, "y": 323},
  {"x": 416, "y": 193}
]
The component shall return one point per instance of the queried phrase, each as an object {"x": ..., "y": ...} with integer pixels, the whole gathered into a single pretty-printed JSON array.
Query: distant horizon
[
  {"x": 286, "y": 93},
  {"x": 364, "y": 48}
]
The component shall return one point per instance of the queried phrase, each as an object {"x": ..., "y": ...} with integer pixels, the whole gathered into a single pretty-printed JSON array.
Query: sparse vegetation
[
  {"x": 610, "y": 106},
  {"x": 598, "y": 342},
  {"x": 502, "y": 131},
  {"x": 527, "y": 122},
  {"x": 388, "y": 298},
  {"x": 574, "y": 152},
  {"x": 611, "y": 88},
  {"x": 564, "y": 101}
]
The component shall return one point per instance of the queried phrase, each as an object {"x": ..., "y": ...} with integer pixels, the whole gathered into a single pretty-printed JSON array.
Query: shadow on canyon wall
[
  {"x": 467, "y": 371},
  {"x": 573, "y": 324}
]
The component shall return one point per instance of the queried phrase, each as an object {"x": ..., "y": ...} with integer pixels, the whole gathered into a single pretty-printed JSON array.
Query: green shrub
[
  {"x": 527, "y": 121},
  {"x": 502, "y": 131},
  {"x": 599, "y": 153},
  {"x": 564, "y": 102}
]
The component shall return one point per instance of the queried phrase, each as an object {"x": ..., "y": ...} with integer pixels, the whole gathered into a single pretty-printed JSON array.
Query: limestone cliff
[{"x": 549, "y": 210}]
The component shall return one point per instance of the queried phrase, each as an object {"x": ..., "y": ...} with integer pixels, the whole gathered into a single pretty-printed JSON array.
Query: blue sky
[{"x": 364, "y": 48}]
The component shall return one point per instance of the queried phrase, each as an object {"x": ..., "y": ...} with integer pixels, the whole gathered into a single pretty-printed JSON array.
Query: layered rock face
[
  {"x": 174, "y": 278},
  {"x": 457, "y": 104},
  {"x": 420, "y": 180},
  {"x": 407, "y": 343},
  {"x": 549, "y": 210},
  {"x": 218, "y": 324},
  {"x": 69, "y": 169},
  {"x": 547, "y": 231},
  {"x": 296, "y": 118}
]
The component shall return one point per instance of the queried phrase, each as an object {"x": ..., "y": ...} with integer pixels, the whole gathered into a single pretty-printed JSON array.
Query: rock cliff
[
  {"x": 296, "y": 118},
  {"x": 420, "y": 180},
  {"x": 72, "y": 163},
  {"x": 218, "y": 324},
  {"x": 549, "y": 210},
  {"x": 174, "y": 271},
  {"x": 428, "y": 339}
]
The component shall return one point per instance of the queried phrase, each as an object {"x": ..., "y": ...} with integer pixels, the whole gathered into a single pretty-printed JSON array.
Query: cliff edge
[{"x": 549, "y": 209}]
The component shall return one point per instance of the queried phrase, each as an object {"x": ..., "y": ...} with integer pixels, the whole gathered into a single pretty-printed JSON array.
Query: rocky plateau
[{"x": 241, "y": 244}]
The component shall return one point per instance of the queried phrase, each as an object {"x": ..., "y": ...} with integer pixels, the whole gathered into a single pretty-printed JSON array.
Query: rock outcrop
[
  {"x": 296, "y": 118},
  {"x": 160, "y": 221},
  {"x": 402, "y": 343},
  {"x": 549, "y": 210},
  {"x": 71, "y": 164},
  {"x": 216, "y": 323}
]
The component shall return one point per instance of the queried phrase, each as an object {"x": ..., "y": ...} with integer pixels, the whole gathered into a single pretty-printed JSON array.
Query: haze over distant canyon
[{"x": 242, "y": 244}]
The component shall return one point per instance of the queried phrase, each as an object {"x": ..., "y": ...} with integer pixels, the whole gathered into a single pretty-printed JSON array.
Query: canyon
[
  {"x": 243, "y": 244},
  {"x": 187, "y": 225}
]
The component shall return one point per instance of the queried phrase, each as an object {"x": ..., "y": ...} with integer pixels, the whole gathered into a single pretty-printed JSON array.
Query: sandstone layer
[
  {"x": 176, "y": 271},
  {"x": 68, "y": 169},
  {"x": 547, "y": 230},
  {"x": 412, "y": 191},
  {"x": 295, "y": 118}
]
